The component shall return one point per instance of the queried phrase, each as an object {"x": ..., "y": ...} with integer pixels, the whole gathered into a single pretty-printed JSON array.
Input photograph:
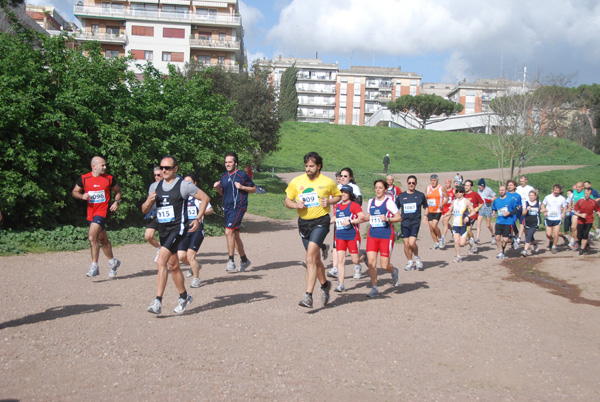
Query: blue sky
[{"x": 441, "y": 40}]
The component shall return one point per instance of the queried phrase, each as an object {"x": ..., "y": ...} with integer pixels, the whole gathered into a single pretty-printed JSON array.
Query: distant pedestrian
[{"x": 386, "y": 163}]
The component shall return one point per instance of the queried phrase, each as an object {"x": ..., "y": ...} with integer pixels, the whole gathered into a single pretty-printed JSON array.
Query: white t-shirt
[
  {"x": 487, "y": 194},
  {"x": 355, "y": 188},
  {"x": 524, "y": 192},
  {"x": 554, "y": 205}
]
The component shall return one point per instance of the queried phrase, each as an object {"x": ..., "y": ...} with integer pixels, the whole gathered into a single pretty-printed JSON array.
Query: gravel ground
[{"x": 451, "y": 332}]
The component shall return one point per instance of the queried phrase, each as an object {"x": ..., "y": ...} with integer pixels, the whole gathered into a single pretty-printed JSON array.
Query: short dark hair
[
  {"x": 412, "y": 176},
  {"x": 350, "y": 172},
  {"x": 235, "y": 157},
  {"x": 192, "y": 176},
  {"x": 469, "y": 181},
  {"x": 380, "y": 181},
  {"x": 171, "y": 157},
  {"x": 511, "y": 181},
  {"x": 559, "y": 186},
  {"x": 460, "y": 189},
  {"x": 317, "y": 158}
]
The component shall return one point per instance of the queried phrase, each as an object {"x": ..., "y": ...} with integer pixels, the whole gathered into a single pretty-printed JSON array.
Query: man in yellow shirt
[{"x": 310, "y": 194}]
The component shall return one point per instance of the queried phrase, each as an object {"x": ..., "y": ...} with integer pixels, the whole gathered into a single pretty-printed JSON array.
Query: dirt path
[{"x": 451, "y": 332}]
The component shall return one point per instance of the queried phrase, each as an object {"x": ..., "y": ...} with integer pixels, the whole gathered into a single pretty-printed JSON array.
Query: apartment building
[
  {"x": 362, "y": 91},
  {"x": 47, "y": 17},
  {"x": 165, "y": 31},
  {"x": 315, "y": 86},
  {"x": 477, "y": 96}
]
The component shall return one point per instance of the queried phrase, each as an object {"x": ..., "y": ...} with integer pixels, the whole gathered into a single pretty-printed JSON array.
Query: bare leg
[
  {"x": 149, "y": 236},
  {"x": 314, "y": 267}
]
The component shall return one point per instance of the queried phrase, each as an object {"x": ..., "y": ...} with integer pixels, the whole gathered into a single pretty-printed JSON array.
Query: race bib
[
  {"x": 410, "y": 208},
  {"x": 97, "y": 197},
  {"x": 339, "y": 223},
  {"x": 553, "y": 214},
  {"x": 310, "y": 200},
  {"x": 376, "y": 222},
  {"x": 431, "y": 202},
  {"x": 192, "y": 212},
  {"x": 503, "y": 210},
  {"x": 533, "y": 211},
  {"x": 165, "y": 214}
]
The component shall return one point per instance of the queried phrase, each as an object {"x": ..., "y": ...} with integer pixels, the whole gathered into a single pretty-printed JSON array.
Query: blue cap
[
  {"x": 482, "y": 182},
  {"x": 347, "y": 189}
]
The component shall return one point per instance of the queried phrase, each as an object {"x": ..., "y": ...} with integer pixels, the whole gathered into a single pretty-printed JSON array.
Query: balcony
[
  {"x": 314, "y": 102},
  {"x": 303, "y": 89},
  {"x": 214, "y": 44},
  {"x": 101, "y": 37},
  {"x": 315, "y": 77},
  {"x": 219, "y": 19}
]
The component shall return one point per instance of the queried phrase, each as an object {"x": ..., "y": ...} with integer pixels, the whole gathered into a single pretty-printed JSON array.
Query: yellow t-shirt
[{"x": 301, "y": 188}]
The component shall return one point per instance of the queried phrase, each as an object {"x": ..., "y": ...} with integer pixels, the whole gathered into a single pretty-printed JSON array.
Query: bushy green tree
[
  {"x": 423, "y": 107},
  {"x": 288, "y": 95}
]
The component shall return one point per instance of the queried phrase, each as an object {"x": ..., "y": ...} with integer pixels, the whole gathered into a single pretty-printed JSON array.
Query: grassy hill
[{"x": 416, "y": 151}]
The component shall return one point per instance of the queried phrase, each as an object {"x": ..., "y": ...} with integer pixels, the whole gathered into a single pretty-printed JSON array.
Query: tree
[
  {"x": 253, "y": 103},
  {"x": 288, "y": 96},
  {"x": 587, "y": 98},
  {"x": 423, "y": 107}
]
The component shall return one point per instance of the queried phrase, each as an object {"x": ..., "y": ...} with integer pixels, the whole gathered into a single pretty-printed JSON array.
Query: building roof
[{"x": 390, "y": 72}]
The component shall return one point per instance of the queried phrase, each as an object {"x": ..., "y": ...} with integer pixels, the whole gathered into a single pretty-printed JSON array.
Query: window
[
  {"x": 204, "y": 59},
  {"x": 111, "y": 54},
  {"x": 105, "y": 6},
  {"x": 142, "y": 31},
  {"x": 204, "y": 35},
  {"x": 207, "y": 13},
  {"x": 142, "y": 54},
  {"x": 221, "y": 60},
  {"x": 173, "y": 33},
  {"x": 166, "y": 56},
  {"x": 113, "y": 30},
  {"x": 222, "y": 37},
  {"x": 94, "y": 28},
  {"x": 172, "y": 56},
  {"x": 148, "y": 55}
]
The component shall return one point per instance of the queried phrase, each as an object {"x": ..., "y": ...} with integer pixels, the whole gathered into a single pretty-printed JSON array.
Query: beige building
[
  {"x": 166, "y": 31},
  {"x": 477, "y": 96}
]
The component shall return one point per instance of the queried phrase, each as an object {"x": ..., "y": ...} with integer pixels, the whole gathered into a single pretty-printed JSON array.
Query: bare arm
[
  {"x": 291, "y": 204},
  {"x": 78, "y": 193},
  {"x": 115, "y": 205},
  {"x": 147, "y": 205}
]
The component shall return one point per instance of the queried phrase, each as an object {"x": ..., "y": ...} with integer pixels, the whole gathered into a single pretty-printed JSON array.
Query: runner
[
  {"x": 507, "y": 209},
  {"x": 309, "y": 194},
  {"x": 382, "y": 212},
  {"x": 234, "y": 186},
  {"x": 584, "y": 210},
  {"x": 488, "y": 195},
  {"x": 511, "y": 187},
  {"x": 554, "y": 207},
  {"x": 95, "y": 187},
  {"x": 568, "y": 219},
  {"x": 446, "y": 218},
  {"x": 169, "y": 196},
  {"x": 392, "y": 191},
  {"x": 437, "y": 196},
  {"x": 189, "y": 246},
  {"x": 150, "y": 219},
  {"x": 578, "y": 194},
  {"x": 346, "y": 179},
  {"x": 348, "y": 215},
  {"x": 462, "y": 212},
  {"x": 476, "y": 203},
  {"x": 523, "y": 190},
  {"x": 531, "y": 213},
  {"x": 595, "y": 196},
  {"x": 410, "y": 203}
]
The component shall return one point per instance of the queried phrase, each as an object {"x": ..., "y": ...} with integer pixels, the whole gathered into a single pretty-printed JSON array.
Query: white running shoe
[
  {"x": 244, "y": 265},
  {"x": 182, "y": 304},
  {"x": 196, "y": 283},
  {"x": 396, "y": 277},
  {"x": 409, "y": 266},
  {"x": 340, "y": 288},
  {"x": 471, "y": 242},
  {"x": 230, "y": 266},
  {"x": 442, "y": 243},
  {"x": 113, "y": 268},
  {"x": 189, "y": 274},
  {"x": 332, "y": 273},
  {"x": 458, "y": 258},
  {"x": 477, "y": 241},
  {"x": 500, "y": 256},
  {"x": 357, "y": 271},
  {"x": 373, "y": 293},
  {"x": 418, "y": 263},
  {"x": 94, "y": 270},
  {"x": 157, "y": 253},
  {"x": 553, "y": 250},
  {"x": 155, "y": 307},
  {"x": 435, "y": 246},
  {"x": 535, "y": 248},
  {"x": 524, "y": 253},
  {"x": 493, "y": 242}
]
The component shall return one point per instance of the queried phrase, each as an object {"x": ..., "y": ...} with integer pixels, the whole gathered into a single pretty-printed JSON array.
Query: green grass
[
  {"x": 411, "y": 151},
  {"x": 270, "y": 204}
]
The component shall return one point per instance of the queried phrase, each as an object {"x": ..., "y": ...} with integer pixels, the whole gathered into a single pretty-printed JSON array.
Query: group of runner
[{"x": 176, "y": 207}]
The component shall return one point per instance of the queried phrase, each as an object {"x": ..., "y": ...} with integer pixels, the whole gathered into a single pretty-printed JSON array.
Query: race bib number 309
[{"x": 310, "y": 199}]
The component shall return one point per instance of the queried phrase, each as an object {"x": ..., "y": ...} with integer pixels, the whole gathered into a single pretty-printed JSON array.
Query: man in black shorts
[
  {"x": 309, "y": 194},
  {"x": 170, "y": 198},
  {"x": 410, "y": 203},
  {"x": 150, "y": 218}
]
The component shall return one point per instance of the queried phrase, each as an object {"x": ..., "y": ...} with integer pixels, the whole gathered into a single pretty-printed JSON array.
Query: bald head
[
  {"x": 98, "y": 165},
  {"x": 389, "y": 180}
]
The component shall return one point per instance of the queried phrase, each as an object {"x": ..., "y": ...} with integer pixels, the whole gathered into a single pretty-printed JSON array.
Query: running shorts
[
  {"x": 461, "y": 230},
  {"x": 382, "y": 246},
  {"x": 410, "y": 231},
  {"x": 171, "y": 240},
  {"x": 100, "y": 220},
  {"x": 550, "y": 223},
  {"x": 503, "y": 230},
  {"x": 233, "y": 218},
  {"x": 434, "y": 217},
  {"x": 486, "y": 211},
  {"x": 583, "y": 231},
  {"x": 351, "y": 245},
  {"x": 314, "y": 230},
  {"x": 192, "y": 241}
]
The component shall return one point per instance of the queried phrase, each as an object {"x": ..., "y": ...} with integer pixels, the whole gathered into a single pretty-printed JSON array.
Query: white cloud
[{"x": 480, "y": 37}]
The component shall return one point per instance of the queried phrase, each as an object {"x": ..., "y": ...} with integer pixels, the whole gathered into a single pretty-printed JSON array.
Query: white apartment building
[{"x": 166, "y": 31}]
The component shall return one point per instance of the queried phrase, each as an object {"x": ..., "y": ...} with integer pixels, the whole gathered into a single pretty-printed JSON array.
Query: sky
[{"x": 441, "y": 40}]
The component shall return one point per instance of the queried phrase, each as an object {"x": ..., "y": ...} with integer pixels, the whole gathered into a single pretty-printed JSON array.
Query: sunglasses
[
  {"x": 412, "y": 182},
  {"x": 344, "y": 175},
  {"x": 458, "y": 191},
  {"x": 166, "y": 167},
  {"x": 158, "y": 175}
]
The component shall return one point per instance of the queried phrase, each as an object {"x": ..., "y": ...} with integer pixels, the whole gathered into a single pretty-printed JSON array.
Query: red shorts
[
  {"x": 351, "y": 245},
  {"x": 382, "y": 246}
]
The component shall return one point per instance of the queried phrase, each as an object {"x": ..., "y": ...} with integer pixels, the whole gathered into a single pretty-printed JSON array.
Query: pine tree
[{"x": 288, "y": 96}]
